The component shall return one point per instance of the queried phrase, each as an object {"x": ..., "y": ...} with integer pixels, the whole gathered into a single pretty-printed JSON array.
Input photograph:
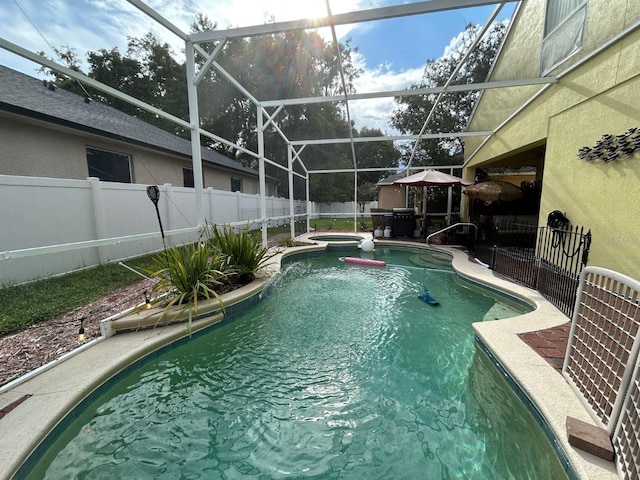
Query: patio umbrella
[
  {"x": 432, "y": 178},
  {"x": 494, "y": 190}
]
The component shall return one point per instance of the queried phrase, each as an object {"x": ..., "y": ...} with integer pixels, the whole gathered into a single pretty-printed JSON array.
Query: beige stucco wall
[
  {"x": 27, "y": 149},
  {"x": 390, "y": 196},
  {"x": 34, "y": 149},
  {"x": 597, "y": 97}
]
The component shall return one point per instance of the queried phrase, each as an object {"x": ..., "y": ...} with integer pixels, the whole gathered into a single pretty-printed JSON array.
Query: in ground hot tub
[{"x": 337, "y": 237}]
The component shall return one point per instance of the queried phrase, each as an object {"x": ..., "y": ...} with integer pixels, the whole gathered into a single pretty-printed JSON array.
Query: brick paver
[{"x": 550, "y": 344}]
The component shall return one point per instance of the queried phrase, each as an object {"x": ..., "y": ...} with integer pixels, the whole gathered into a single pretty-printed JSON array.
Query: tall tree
[
  {"x": 272, "y": 67},
  {"x": 68, "y": 57},
  {"x": 379, "y": 154},
  {"x": 453, "y": 111},
  {"x": 149, "y": 72}
]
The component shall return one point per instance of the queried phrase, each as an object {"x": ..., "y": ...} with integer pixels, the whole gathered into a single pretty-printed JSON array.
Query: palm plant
[
  {"x": 242, "y": 252},
  {"x": 192, "y": 272}
]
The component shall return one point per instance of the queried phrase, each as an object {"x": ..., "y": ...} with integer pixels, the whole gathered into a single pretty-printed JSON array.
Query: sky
[{"x": 391, "y": 52}]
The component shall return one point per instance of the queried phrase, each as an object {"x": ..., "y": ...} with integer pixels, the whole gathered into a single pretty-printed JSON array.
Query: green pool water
[
  {"x": 341, "y": 372},
  {"x": 337, "y": 238}
]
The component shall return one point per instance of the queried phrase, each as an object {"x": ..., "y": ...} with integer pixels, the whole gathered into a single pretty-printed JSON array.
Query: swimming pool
[{"x": 328, "y": 377}]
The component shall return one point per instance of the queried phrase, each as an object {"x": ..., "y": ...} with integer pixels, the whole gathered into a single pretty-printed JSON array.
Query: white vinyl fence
[
  {"x": 344, "y": 209},
  {"x": 53, "y": 226}
]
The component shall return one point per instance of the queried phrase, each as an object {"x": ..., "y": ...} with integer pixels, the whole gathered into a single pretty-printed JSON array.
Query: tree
[
  {"x": 68, "y": 57},
  {"x": 453, "y": 111},
  {"x": 148, "y": 72},
  {"x": 374, "y": 155},
  {"x": 291, "y": 65},
  {"x": 271, "y": 67},
  {"x": 280, "y": 66}
]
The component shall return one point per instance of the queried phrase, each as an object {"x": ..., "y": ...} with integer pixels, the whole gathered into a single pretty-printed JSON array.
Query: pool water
[
  {"x": 337, "y": 238},
  {"x": 341, "y": 372}
]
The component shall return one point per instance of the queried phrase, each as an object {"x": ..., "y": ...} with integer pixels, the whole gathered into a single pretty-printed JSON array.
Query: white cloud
[
  {"x": 374, "y": 113},
  {"x": 455, "y": 45},
  {"x": 95, "y": 24}
]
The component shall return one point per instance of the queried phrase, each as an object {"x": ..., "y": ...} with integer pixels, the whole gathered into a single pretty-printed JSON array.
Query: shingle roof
[
  {"x": 392, "y": 178},
  {"x": 25, "y": 95}
]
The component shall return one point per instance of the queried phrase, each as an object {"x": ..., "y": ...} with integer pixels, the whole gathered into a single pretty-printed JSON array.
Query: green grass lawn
[
  {"x": 24, "y": 305},
  {"x": 321, "y": 224}
]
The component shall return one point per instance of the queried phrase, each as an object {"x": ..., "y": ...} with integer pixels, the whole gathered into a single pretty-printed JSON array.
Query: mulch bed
[{"x": 42, "y": 343}]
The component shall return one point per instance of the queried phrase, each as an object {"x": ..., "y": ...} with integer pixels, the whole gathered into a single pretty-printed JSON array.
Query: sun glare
[
  {"x": 308, "y": 9},
  {"x": 311, "y": 9}
]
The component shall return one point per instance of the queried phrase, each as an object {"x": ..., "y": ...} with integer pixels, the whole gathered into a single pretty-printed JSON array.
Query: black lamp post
[{"x": 153, "y": 192}]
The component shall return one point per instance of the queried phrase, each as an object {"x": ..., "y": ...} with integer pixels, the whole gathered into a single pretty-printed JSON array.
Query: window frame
[
  {"x": 187, "y": 174},
  {"x": 239, "y": 183},
  {"x": 552, "y": 50},
  {"x": 94, "y": 170}
]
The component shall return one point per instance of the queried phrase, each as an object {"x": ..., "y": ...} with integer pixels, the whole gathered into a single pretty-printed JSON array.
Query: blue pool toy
[{"x": 426, "y": 298}]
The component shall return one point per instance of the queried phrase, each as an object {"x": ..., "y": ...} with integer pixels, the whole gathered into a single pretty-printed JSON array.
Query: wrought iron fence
[
  {"x": 562, "y": 256},
  {"x": 300, "y": 225},
  {"x": 547, "y": 259}
]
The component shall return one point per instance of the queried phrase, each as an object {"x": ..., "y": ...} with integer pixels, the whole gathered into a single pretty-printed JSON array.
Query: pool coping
[
  {"x": 41, "y": 401},
  {"x": 544, "y": 387}
]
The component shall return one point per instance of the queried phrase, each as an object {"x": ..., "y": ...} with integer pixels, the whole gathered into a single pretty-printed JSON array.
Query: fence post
[
  {"x": 271, "y": 212},
  {"x": 98, "y": 215},
  {"x": 168, "y": 206},
  {"x": 238, "y": 205},
  {"x": 210, "y": 206}
]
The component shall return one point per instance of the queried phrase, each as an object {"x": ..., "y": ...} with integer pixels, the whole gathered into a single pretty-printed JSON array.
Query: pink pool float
[{"x": 365, "y": 261}]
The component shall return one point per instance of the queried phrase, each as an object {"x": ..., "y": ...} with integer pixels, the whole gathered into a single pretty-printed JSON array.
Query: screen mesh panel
[
  {"x": 626, "y": 441},
  {"x": 603, "y": 342}
]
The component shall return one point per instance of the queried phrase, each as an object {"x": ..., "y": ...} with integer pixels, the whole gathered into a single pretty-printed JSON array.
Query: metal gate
[{"x": 547, "y": 259}]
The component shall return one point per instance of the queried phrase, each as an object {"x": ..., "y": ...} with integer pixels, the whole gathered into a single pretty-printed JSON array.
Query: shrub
[
  {"x": 242, "y": 252},
  {"x": 192, "y": 273}
]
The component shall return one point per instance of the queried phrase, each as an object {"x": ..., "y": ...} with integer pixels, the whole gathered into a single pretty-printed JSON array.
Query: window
[
  {"x": 236, "y": 184},
  {"x": 557, "y": 12},
  {"x": 563, "y": 31},
  {"x": 109, "y": 166},
  {"x": 187, "y": 177}
]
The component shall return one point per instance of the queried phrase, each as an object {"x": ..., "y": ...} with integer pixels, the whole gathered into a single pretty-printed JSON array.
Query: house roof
[
  {"x": 392, "y": 178},
  {"x": 28, "y": 96}
]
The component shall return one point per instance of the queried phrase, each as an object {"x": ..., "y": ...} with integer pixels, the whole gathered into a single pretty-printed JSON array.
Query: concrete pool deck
[{"x": 34, "y": 406}]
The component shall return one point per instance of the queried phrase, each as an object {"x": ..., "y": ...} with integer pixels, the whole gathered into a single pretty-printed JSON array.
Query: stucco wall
[
  {"x": 391, "y": 197},
  {"x": 32, "y": 149},
  {"x": 604, "y": 197},
  {"x": 27, "y": 149},
  {"x": 520, "y": 58},
  {"x": 599, "y": 96}
]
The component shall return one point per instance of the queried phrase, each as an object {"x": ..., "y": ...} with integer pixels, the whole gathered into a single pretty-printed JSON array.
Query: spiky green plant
[
  {"x": 243, "y": 252},
  {"x": 192, "y": 272}
]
